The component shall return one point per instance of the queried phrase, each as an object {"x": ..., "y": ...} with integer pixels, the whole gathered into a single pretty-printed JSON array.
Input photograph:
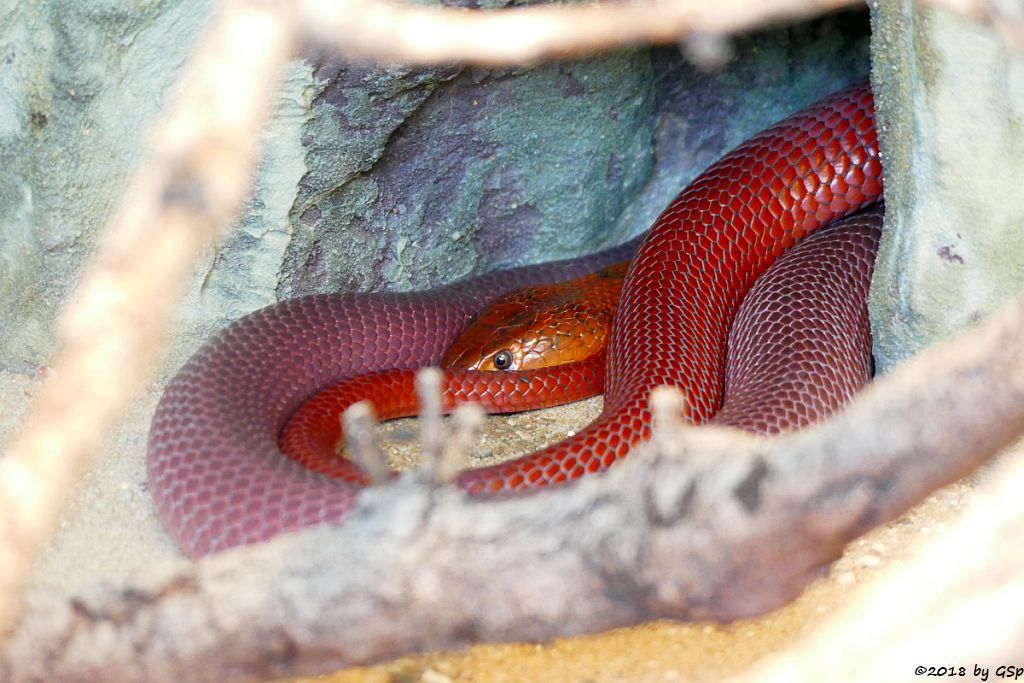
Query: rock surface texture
[
  {"x": 950, "y": 102},
  {"x": 371, "y": 178}
]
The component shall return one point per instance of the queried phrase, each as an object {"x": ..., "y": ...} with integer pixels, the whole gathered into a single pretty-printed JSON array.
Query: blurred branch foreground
[{"x": 704, "y": 524}]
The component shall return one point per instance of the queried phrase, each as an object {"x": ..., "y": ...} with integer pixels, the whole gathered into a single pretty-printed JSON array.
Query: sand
[{"x": 110, "y": 531}]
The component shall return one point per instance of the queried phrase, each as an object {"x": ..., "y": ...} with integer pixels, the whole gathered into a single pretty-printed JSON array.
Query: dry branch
[
  {"x": 379, "y": 30},
  {"x": 731, "y": 527},
  {"x": 196, "y": 175},
  {"x": 358, "y": 424},
  {"x": 389, "y": 31},
  {"x": 428, "y": 393},
  {"x": 467, "y": 420}
]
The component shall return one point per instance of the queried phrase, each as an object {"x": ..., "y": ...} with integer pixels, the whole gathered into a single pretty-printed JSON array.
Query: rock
[
  {"x": 79, "y": 84},
  {"x": 370, "y": 178},
  {"x": 950, "y": 101},
  {"x": 432, "y": 175}
]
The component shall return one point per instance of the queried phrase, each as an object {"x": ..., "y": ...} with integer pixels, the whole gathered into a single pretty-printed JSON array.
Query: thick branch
[{"x": 731, "y": 526}]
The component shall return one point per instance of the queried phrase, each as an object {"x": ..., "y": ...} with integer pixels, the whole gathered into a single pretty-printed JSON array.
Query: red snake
[{"x": 220, "y": 480}]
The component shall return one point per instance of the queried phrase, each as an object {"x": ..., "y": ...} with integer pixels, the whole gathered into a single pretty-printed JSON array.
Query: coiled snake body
[{"x": 220, "y": 480}]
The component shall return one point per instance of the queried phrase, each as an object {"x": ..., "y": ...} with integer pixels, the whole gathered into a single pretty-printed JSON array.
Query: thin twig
[
  {"x": 467, "y": 420},
  {"x": 432, "y": 435},
  {"x": 359, "y": 425},
  {"x": 667, "y": 409}
]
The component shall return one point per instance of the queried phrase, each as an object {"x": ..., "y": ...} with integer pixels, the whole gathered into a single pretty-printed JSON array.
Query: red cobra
[
  {"x": 219, "y": 479},
  {"x": 784, "y": 368}
]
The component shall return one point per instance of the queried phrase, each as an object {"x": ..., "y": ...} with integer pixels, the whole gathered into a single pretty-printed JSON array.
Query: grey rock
[
  {"x": 79, "y": 83},
  {"x": 950, "y": 102}
]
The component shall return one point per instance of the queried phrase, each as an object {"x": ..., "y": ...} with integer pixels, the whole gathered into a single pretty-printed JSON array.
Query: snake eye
[{"x": 503, "y": 360}]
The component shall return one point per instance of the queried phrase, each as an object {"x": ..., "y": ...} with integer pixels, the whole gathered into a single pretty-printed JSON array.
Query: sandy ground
[{"x": 110, "y": 531}]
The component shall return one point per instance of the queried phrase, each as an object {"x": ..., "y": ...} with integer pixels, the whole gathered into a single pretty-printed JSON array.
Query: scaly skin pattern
[
  {"x": 542, "y": 326},
  {"x": 311, "y": 437},
  {"x": 693, "y": 269},
  {"x": 798, "y": 350},
  {"x": 215, "y": 470},
  {"x": 800, "y": 346},
  {"x": 554, "y": 335},
  {"x": 561, "y": 328},
  {"x": 219, "y": 479}
]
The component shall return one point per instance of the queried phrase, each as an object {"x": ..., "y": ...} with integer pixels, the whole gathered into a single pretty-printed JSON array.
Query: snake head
[{"x": 534, "y": 328}]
